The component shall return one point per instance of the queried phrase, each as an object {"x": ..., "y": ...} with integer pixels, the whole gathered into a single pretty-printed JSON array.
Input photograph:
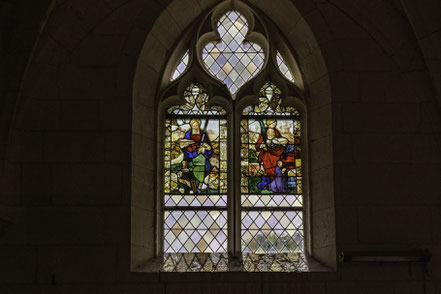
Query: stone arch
[{"x": 152, "y": 60}]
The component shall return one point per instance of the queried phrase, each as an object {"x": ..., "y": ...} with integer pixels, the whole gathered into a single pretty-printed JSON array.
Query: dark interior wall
[{"x": 66, "y": 120}]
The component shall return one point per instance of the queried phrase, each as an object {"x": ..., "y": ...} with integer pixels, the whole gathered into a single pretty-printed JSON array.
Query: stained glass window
[
  {"x": 195, "y": 181},
  {"x": 270, "y": 199},
  {"x": 233, "y": 60},
  {"x": 271, "y": 177},
  {"x": 283, "y": 67},
  {"x": 181, "y": 66}
]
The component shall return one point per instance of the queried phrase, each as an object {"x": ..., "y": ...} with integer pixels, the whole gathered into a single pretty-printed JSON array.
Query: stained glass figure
[
  {"x": 283, "y": 67},
  {"x": 271, "y": 176},
  {"x": 182, "y": 66},
  {"x": 195, "y": 178},
  {"x": 233, "y": 59}
]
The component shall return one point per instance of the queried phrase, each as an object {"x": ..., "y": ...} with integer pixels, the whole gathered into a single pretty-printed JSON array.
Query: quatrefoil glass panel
[{"x": 233, "y": 60}]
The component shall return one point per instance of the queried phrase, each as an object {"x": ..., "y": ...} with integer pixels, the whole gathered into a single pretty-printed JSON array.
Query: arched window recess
[{"x": 239, "y": 63}]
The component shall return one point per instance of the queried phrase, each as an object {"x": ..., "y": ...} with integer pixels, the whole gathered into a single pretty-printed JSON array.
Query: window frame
[{"x": 247, "y": 95}]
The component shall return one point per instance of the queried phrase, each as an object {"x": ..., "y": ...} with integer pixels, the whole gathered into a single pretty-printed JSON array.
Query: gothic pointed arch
[{"x": 234, "y": 53}]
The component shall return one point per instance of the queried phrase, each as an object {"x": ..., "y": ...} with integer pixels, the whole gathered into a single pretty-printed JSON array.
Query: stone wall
[{"x": 66, "y": 181}]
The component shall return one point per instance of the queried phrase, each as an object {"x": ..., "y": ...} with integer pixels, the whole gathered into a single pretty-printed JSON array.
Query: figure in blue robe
[{"x": 280, "y": 182}]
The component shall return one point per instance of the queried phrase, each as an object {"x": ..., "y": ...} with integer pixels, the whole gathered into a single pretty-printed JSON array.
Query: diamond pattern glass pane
[
  {"x": 272, "y": 231},
  {"x": 276, "y": 262},
  {"x": 195, "y": 262},
  {"x": 233, "y": 60},
  {"x": 283, "y": 67},
  {"x": 195, "y": 200},
  {"x": 272, "y": 200},
  {"x": 182, "y": 66},
  {"x": 202, "y": 231}
]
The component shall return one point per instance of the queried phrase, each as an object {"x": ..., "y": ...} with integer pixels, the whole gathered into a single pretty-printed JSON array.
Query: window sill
[{"x": 221, "y": 262}]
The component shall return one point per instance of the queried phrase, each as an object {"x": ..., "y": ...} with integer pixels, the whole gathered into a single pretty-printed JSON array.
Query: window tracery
[
  {"x": 265, "y": 227},
  {"x": 233, "y": 60},
  {"x": 283, "y": 67},
  {"x": 181, "y": 67}
]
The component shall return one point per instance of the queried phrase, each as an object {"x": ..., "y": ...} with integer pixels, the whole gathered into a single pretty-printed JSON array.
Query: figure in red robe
[{"x": 270, "y": 153}]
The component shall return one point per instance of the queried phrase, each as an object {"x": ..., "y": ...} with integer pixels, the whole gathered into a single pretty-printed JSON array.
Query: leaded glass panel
[
  {"x": 233, "y": 59},
  {"x": 195, "y": 177},
  {"x": 283, "y": 67},
  {"x": 195, "y": 262},
  {"x": 196, "y": 231},
  {"x": 271, "y": 176},
  {"x": 182, "y": 66}
]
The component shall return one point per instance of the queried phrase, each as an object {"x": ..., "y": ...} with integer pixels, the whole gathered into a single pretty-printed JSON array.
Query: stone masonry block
[
  {"x": 117, "y": 23},
  {"x": 117, "y": 147},
  {"x": 142, "y": 227},
  {"x": 10, "y": 184},
  {"x": 87, "y": 184},
  {"x": 347, "y": 225},
  {"x": 115, "y": 115},
  {"x": 340, "y": 24},
  {"x": 382, "y": 148},
  {"x": 143, "y": 192},
  {"x": 395, "y": 225},
  {"x": 76, "y": 225},
  {"x": 390, "y": 184},
  {"x": 80, "y": 115},
  {"x": 313, "y": 66},
  {"x": 345, "y": 86},
  {"x": 321, "y": 153},
  {"x": 39, "y": 115},
  {"x": 144, "y": 87},
  {"x": 36, "y": 184},
  {"x": 320, "y": 122},
  {"x": 18, "y": 264},
  {"x": 62, "y": 147},
  {"x": 320, "y": 93},
  {"x": 285, "y": 18},
  {"x": 25, "y": 147},
  {"x": 322, "y": 187},
  {"x": 359, "y": 287},
  {"x": 98, "y": 51},
  {"x": 190, "y": 8},
  {"x": 364, "y": 55},
  {"x": 143, "y": 151},
  {"x": 323, "y": 229},
  {"x": 157, "y": 52},
  {"x": 381, "y": 118},
  {"x": 375, "y": 272},
  {"x": 144, "y": 120},
  {"x": 87, "y": 83},
  {"x": 76, "y": 264}
]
